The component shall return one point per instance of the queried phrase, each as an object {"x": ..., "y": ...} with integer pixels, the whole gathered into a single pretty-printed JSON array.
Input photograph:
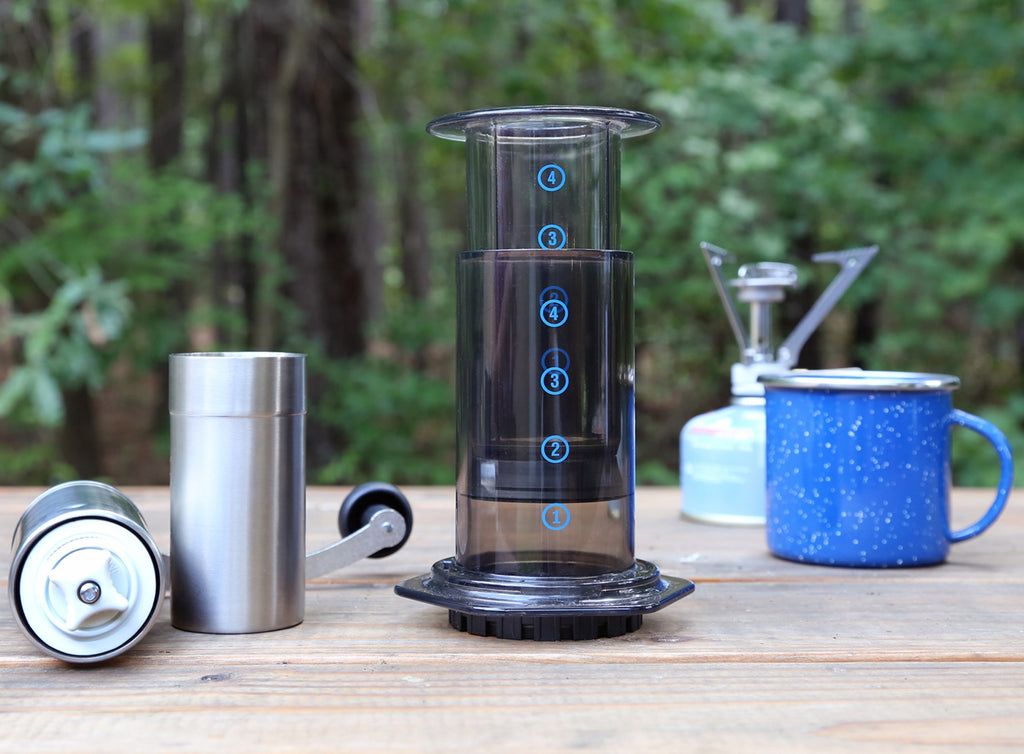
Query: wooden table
[{"x": 766, "y": 655}]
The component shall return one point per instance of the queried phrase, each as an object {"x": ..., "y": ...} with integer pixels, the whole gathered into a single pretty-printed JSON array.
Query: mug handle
[{"x": 994, "y": 435}]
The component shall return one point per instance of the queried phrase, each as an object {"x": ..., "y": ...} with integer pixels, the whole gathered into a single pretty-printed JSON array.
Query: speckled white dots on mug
[{"x": 858, "y": 468}]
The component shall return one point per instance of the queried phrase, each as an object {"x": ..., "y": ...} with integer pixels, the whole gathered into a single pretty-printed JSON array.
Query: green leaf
[
  {"x": 46, "y": 399},
  {"x": 15, "y": 389},
  {"x": 107, "y": 142}
]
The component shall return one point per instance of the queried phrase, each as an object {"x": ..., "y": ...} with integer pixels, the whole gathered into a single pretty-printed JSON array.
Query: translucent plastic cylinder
[
  {"x": 543, "y": 183},
  {"x": 545, "y": 411},
  {"x": 543, "y": 177},
  {"x": 544, "y": 494}
]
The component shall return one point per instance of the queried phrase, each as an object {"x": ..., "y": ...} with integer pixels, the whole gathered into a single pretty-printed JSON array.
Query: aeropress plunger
[{"x": 545, "y": 362}]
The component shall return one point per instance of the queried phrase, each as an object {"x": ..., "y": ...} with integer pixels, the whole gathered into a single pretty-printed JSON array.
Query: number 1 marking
[{"x": 555, "y": 517}]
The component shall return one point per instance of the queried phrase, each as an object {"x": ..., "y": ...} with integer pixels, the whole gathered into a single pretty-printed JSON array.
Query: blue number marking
[
  {"x": 554, "y": 381},
  {"x": 554, "y": 449},
  {"x": 551, "y": 177},
  {"x": 551, "y": 237},
  {"x": 554, "y": 313},
  {"x": 555, "y": 516},
  {"x": 555, "y": 357},
  {"x": 554, "y": 292}
]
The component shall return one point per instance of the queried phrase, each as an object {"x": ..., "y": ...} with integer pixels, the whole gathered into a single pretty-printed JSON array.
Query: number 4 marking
[{"x": 551, "y": 177}]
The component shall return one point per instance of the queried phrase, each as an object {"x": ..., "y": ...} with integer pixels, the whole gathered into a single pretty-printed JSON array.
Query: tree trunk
[
  {"x": 78, "y": 439},
  {"x": 412, "y": 226},
  {"x": 412, "y": 221},
  {"x": 165, "y": 41},
  {"x": 348, "y": 227},
  {"x": 321, "y": 192},
  {"x": 250, "y": 59},
  {"x": 317, "y": 166},
  {"x": 852, "y": 11},
  {"x": 798, "y": 14},
  {"x": 795, "y": 12},
  {"x": 26, "y": 46},
  {"x": 869, "y": 314},
  {"x": 227, "y": 157},
  {"x": 240, "y": 96},
  {"x": 165, "y": 38},
  {"x": 82, "y": 42}
]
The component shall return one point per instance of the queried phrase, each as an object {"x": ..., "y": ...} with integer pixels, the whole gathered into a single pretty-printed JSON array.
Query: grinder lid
[{"x": 243, "y": 383}]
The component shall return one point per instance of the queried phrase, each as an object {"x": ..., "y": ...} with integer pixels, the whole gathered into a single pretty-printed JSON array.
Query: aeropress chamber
[{"x": 545, "y": 396}]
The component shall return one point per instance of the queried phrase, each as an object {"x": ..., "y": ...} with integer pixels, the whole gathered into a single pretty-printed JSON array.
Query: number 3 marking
[
  {"x": 551, "y": 237},
  {"x": 554, "y": 380}
]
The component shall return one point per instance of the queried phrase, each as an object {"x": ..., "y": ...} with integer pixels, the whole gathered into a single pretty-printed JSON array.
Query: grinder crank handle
[{"x": 375, "y": 520}]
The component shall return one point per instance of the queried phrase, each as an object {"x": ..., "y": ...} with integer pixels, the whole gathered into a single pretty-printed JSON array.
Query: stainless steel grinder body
[
  {"x": 237, "y": 491},
  {"x": 87, "y": 580}
]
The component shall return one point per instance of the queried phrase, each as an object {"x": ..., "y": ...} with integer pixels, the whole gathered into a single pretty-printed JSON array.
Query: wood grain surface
[{"x": 766, "y": 655}]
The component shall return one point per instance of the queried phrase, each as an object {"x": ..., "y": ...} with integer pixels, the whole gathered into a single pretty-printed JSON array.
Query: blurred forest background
[{"x": 255, "y": 174}]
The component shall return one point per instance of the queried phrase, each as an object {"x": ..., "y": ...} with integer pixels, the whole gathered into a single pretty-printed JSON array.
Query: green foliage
[
  {"x": 398, "y": 424},
  {"x": 33, "y": 462},
  {"x": 66, "y": 157},
  {"x": 394, "y": 409},
  {"x": 906, "y": 133},
  {"x": 62, "y": 345},
  {"x": 95, "y": 282},
  {"x": 150, "y": 231},
  {"x": 975, "y": 462}
]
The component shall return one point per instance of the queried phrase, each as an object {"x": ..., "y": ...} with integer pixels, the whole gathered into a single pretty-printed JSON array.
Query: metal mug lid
[
  {"x": 856, "y": 379},
  {"x": 240, "y": 383}
]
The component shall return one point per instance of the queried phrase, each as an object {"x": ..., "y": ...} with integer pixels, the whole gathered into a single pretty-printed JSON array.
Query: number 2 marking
[{"x": 554, "y": 449}]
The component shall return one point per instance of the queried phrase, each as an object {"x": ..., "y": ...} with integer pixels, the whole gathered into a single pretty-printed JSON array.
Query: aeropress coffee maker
[{"x": 545, "y": 395}]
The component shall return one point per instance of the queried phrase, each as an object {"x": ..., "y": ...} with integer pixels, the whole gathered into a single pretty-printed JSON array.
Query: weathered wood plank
[
  {"x": 405, "y": 706},
  {"x": 766, "y": 654}
]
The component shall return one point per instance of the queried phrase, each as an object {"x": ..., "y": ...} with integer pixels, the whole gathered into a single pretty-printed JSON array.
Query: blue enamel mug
[{"x": 858, "y": 467}]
